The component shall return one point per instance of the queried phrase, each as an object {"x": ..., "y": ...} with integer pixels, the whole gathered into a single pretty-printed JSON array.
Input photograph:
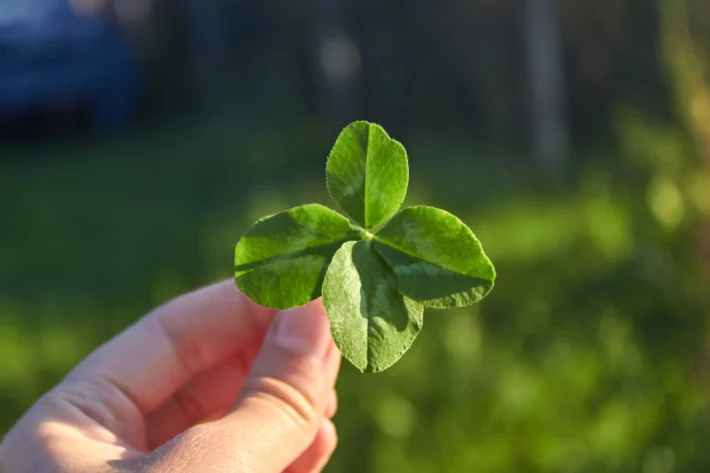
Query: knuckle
[
  {"x": 190, "y": 355},
  {"x": 299, "y": 404}
]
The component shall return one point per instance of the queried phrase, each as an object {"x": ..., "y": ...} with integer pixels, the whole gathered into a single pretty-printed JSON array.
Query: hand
[{"x": 210, "y": 383}]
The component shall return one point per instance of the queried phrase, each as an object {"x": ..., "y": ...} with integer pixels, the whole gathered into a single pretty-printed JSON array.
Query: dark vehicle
[{"x": 59, "y": 68}]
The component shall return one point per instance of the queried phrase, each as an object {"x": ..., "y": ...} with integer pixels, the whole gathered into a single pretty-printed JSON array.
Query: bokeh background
[{"x": 140, "y": 138}]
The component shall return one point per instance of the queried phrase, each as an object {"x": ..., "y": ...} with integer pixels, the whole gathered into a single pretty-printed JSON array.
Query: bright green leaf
[
  {"x": 374, "y": 288},
  {"x": 367, "y": 174},
  {"x": 373, "y": 325},
  {"x": 437, "y": 259},
  {"x": 281, "y": 261}
]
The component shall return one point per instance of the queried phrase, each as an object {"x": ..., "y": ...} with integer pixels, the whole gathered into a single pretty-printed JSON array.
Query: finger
[
  {"x": 279, "y": 410},
  {"x": 314, "y": 459},
  {"x": 151, "y": 360},
  {"x": 210, "y": 394},
  {"x": 207, "y": 396}
]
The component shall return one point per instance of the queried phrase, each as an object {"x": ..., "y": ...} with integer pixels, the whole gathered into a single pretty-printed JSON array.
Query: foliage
[{"x": 377, "y": 273}]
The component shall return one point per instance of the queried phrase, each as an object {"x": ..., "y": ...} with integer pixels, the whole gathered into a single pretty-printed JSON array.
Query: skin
[{"x": 209, "y": 382}]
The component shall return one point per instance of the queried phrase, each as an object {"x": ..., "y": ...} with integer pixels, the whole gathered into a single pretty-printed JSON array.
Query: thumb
[{"x": 281, "y": 406}]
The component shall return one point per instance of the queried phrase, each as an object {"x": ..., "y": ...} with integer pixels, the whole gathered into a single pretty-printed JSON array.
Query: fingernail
[{"x": 304, "y": 330}]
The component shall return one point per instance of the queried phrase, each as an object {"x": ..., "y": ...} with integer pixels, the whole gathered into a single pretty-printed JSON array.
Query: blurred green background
[{"x": 573, "y": 138}]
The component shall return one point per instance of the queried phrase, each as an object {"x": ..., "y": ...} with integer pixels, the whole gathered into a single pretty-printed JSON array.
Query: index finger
[{"x": 152, "y": 359}]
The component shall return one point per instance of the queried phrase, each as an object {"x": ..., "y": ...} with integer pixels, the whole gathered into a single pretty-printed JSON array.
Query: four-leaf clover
[{"x": 376, "y": 270}]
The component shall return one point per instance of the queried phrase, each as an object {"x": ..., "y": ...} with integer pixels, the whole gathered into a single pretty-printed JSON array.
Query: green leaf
[
  {"x": 372, "y": 324},
  {"x": 437, "y": 259},
  {"x": 374, "y": 288},
  {"x": 281, "y": 261},
  {"x": 367, "y": 174}
]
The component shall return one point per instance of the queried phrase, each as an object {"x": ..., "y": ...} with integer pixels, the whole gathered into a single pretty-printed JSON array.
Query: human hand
[{"x": 139, "y": 403}]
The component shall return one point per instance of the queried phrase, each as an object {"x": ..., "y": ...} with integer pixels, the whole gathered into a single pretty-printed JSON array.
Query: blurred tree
[
  {"x": 210, "y": 53},
  {"x": 686, "y": 45},
  {"x": 337, "y": 61},
  {"x": 548, "y": 120},
  {"x": 478, "y": 71}
]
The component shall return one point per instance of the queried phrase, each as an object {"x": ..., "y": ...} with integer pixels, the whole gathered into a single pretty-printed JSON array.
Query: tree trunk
[
  {"x": 337, "y": 61},
  {"x": 686, "y": 60},
  {"x": 210, "y": 53},
  {"x": 548, "y": 121},
  {"x": 689, "y": 70}
]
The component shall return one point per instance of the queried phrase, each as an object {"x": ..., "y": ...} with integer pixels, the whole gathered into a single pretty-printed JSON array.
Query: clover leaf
[
  {"x": 372, "y": 323},
  {"x": 437, "y": 259},
  {"x": 282, "y": 259},
  {"x": 367, "y": 174},
  {"x": 377, "y": 270}
]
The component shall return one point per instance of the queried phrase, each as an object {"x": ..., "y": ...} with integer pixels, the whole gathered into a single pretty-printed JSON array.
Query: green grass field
[{"x": 584, "y": 358}]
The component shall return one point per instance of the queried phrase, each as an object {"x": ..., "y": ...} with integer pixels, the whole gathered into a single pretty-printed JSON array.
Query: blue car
[{"x": 53, "y": 59}]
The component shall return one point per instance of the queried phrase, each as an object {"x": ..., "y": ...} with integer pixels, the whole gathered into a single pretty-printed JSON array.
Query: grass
[{"x": 570, "y": 365}]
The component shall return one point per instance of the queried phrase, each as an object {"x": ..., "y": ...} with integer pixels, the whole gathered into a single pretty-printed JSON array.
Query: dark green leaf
[
  {"x": 281, "y": 261},
  {"x": 373, "y": 325},
  {"x": 367, "y": 174},
  {"x": 436, "y": 257}
]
